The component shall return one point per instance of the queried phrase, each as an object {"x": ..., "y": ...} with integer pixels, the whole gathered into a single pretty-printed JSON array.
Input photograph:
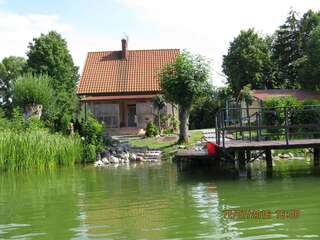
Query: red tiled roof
[
  {"x": 125, "y": 97},
  {"x": 299, "y": 94},
  {"x": 108, "y": 73}
]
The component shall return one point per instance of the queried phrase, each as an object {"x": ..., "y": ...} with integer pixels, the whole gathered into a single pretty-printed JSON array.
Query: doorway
[{"x": 131, "y": 115}]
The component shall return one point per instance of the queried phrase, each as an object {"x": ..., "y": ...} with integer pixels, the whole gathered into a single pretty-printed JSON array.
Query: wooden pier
[{"x": 259, "y": 131}]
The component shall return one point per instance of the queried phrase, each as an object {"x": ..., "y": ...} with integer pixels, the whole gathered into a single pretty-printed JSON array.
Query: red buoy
[{"x": 212, "y": 148}]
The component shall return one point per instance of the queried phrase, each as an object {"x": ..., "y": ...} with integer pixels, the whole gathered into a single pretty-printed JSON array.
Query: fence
[{"x": 266, "y": 124}]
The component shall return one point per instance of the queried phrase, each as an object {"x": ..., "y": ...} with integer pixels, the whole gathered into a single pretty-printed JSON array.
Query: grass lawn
[{"x": 167, "y": 144}]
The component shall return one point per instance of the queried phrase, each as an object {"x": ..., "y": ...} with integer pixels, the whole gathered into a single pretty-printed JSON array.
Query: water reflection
[{"x": 155, "y": 202}]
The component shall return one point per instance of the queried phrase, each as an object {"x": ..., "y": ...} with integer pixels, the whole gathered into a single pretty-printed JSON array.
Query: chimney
[{"x": 125, "y": 52}]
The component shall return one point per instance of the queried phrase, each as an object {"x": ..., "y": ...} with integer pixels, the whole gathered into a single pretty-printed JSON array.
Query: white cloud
[
  {"x": 202, "y": 26},
  {"x": 207, "y": 26},
  {"x": 17, "y": 31}
]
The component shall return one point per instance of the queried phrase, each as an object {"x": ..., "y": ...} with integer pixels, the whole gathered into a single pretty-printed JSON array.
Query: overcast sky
[{"x": 201, "y": 26}]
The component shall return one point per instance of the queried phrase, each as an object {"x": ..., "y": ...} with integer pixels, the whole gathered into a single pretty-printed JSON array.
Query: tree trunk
[
  {"x": 184, "y": 124},
  {"x": 33, "y": 110},
  {"x": 159, "y": 122}
]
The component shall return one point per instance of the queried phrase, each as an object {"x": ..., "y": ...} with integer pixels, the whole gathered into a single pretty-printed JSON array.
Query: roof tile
[{"x": 108, "y": 73}]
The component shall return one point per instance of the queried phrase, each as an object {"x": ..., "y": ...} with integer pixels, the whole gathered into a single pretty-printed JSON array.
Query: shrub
[
  {"x": 30, "y": 89},
  {"x": 311, "y": 113},
  {"x": 275, "y": 115},
  {"x": 92, "y": 133},
  {"x": 151, "y": 130}
]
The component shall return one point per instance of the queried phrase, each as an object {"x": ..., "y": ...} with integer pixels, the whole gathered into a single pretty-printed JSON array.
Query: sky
[{"x": 203, "y": 27}]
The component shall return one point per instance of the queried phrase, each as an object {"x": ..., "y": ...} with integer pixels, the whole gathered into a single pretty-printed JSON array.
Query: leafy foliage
[
  {"x": 204, "y": 110},
  {"x": 49, "y": 55},
  {"x": 10, "y": 68},
  {"x": 32, "y": 90},
  {"x": 287, "y": 51},
  {"x": 245, "y": 95},
  {"x": 91, "y": 132},
  {"x": 151, "y": 130},
  {"x": 248, "y": 62},
  {"x": 185, "y": 80},
  {"x": 183, "y": 83},
  {"x": 306, "y": 112},
  {"x": 310, "y": 67}
]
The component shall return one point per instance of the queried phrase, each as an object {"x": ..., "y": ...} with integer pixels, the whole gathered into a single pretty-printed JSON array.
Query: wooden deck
[
  {"x": 254, "y": 145},
  {"x": 279, "y": 144},
  {"x": 192, "y": 154}
]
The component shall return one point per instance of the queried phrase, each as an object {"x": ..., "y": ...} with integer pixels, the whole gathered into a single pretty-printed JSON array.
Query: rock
[
  {"x": 105, "y": 160},
  {"x": 114, "y": 159},
  {"x": 98, "y": 163},
  {"x": 132, "y": 157},
  {"x": 198, "y": 148},
  {"x": 140, "y": 158}
]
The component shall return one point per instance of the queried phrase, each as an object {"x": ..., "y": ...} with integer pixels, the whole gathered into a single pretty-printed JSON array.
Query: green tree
[
  {"x": 248, "y": 62},
  {"x": 205, "y": 109},
  {"x": 287, "y": 51},
  {"x": 310, "y": 68},
  {"x": 32, "y": 90},
  {"x": 309, "y": 21},
  {"x": 183, "y": 83},
  {"x": 10, "y": 68},
  {"x": 49, "y": 55}
]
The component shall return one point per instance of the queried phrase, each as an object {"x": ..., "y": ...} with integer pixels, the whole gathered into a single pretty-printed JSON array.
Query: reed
[{"x": 37, "y": 149}]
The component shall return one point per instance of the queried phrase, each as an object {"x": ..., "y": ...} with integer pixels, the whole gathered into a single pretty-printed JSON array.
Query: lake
[{"x": 159, "y": 202}]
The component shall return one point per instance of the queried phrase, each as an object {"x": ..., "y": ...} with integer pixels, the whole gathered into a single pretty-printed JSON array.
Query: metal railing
[{"x": 265, "y": 124}]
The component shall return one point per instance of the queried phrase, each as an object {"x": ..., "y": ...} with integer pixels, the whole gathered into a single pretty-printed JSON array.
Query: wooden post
[
  {"x": 219, "y": 127},
  {"x": 248, "y": 165},
  {"x": 316, "y": 157},
  {"x": 242, "y": 163},
  {"x": 240, "y": 122},
  {"x": 286, "y": 125},
  {"x": 223, "y": 128},
  {"x": 249, "y": 121},
  {"x": 269, "y": 162},
  {"x": 217, "y": 135}
]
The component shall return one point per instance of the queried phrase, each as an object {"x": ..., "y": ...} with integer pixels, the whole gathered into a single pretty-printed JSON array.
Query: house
[{"x": 118, "y": 86}]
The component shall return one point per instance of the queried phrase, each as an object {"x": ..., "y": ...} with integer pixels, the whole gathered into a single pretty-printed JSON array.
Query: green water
[{"x": 156, "y": 202}]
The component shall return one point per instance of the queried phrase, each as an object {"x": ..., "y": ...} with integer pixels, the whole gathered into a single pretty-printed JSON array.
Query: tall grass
[{"x": 37, "y": 149}]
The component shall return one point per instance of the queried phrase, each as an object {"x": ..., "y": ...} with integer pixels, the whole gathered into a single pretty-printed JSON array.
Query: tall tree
[
  {"x": 309, "y": 21},
  {"x": 10, "y": 68},
  {"x": 49, "y": 55},
  {"x": 248, "y": 62},
  {"x": 310, "y": 68},
  {"x": 183, "y": 83},
  {"x": 287, "y": 51}
]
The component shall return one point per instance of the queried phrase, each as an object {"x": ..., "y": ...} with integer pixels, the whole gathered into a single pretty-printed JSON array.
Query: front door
[{"x": 132, "y": 115}]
